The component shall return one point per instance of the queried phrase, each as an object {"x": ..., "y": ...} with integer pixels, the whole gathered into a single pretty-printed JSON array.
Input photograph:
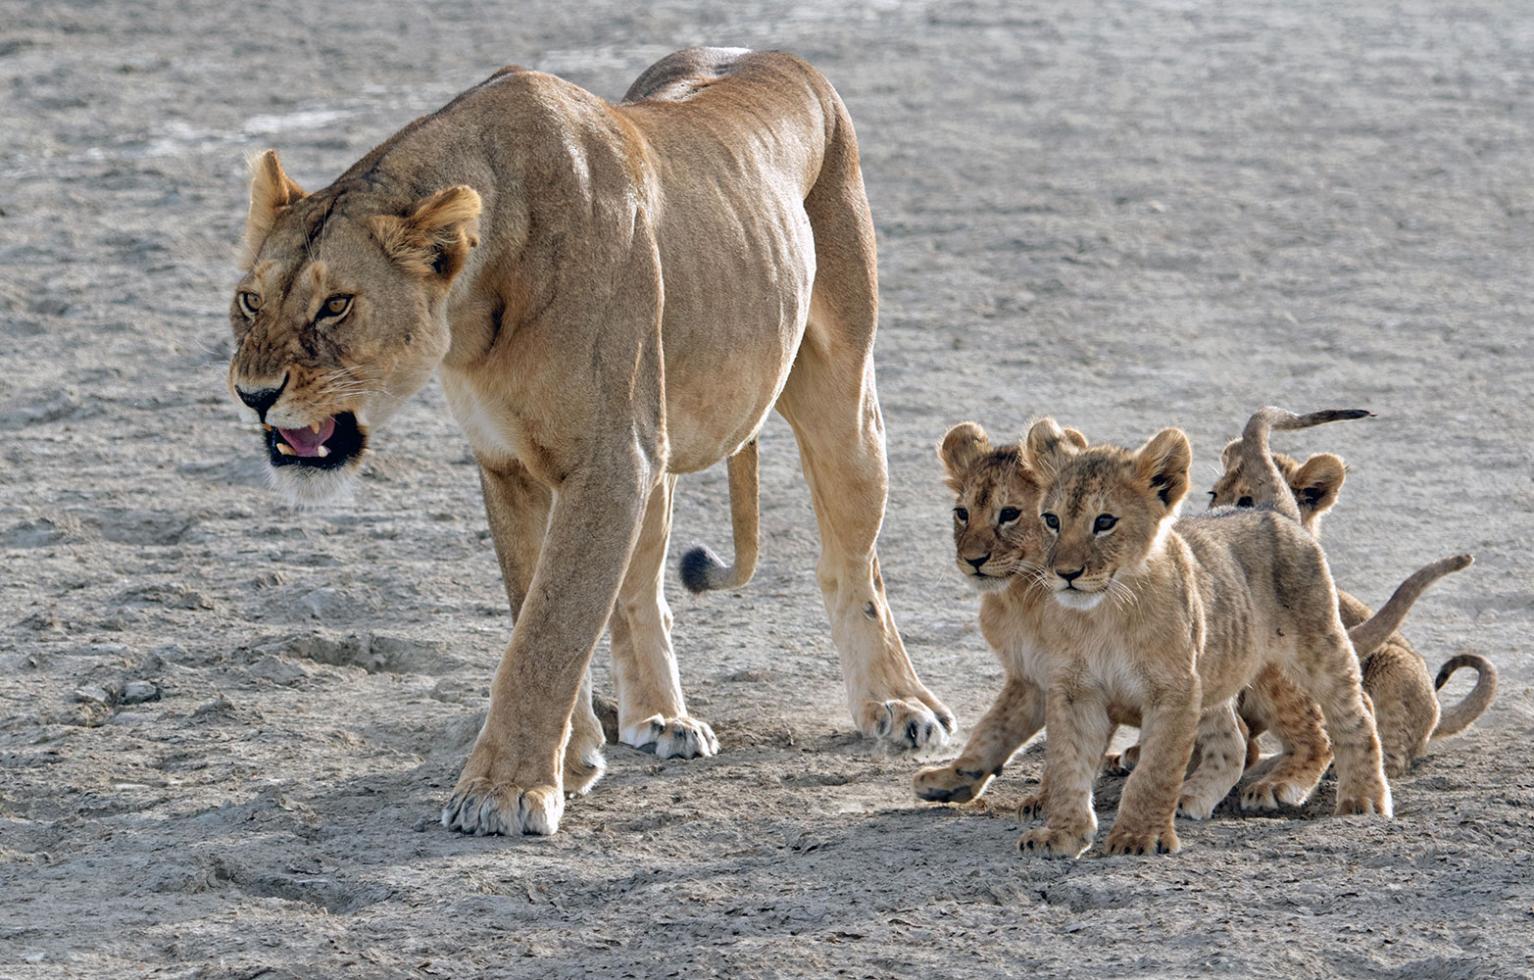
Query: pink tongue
[{"x": 307, "y": 442}]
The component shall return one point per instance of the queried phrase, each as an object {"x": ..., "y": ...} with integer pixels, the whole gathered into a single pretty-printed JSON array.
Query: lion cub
[
  {"x": 1174, "y": 617},
  {"x": 1395, "y": 675}
]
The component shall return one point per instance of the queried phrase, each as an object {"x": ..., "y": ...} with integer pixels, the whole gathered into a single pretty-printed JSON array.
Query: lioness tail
[
  {"x": 1371, "y": 634},
  {"x": 1459, "y": 717},
  {"x": 1267, "y": 483},
  {"x": 702, "y": 570}
]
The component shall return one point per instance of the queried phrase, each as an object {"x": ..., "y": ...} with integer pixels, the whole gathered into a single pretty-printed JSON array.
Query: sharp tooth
[
  {"x": 285, "y": 449},
  {"x": 322, "y": 451},
  {"x": 314, "y": 427}
]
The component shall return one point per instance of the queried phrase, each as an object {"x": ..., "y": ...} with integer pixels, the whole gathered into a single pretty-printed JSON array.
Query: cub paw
[
  {"x": 1267, "y": 793},
  {"x": 1033, "y": 807},
  {"x": 480, "y": 807},
  {"x": 950, "y": 784},
  {"x": 1194, "y": 807},
  {"x": 909, "y": 723},
  {"x": 672, "y": 738},
  {"x": 1377, "y": 803},
  {"x": 1053, "y": 843},
  {"x": 1120, "y": 763},
  {"x": 1124, "y": 840}
]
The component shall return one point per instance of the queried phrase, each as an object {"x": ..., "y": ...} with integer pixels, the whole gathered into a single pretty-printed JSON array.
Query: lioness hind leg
[
  {"x": 651, "y": 709},
  {"x": 831, "y": 403}
]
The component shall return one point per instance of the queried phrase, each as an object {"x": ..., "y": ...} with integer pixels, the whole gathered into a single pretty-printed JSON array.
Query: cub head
[
  {"x": 1105, "y": 510},
  {"x": 1316, "y": 483},
  {"x": 340, "y": 315},
  {"x": 996, "y": 502}
]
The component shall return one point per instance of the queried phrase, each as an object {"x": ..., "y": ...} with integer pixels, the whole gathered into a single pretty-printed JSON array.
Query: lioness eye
[
  {"x": 335, "y": 306},
  {"x": 1008, "y": 515},
  {"x": 1103, "y": 523},
  {"x": 1052, "y": 522},
  {"x": 249, "y": 304},
  {"x": 961, "y": 515},
  {"x": 1244, "y": 502}
]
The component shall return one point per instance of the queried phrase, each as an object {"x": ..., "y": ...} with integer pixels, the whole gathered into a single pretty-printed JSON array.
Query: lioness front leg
[
  {"x": 1015, "y": 717},
  {"x": 651, "y": 709},
  {"x": 1168, "y": 728},
  {"x": 1079, "y": 728},
  {"x": 513, "y": 781}
]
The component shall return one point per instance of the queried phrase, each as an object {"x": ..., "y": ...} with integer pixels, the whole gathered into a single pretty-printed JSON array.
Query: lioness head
[
  {"x": 339, "y": 315},
  {"x": 1104, "y": 509},
  {"x": 1316, "y": 483},
  {"x": 996, "y": 503}
]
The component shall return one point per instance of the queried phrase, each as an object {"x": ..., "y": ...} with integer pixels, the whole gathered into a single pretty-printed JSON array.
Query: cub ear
[
  {"x": 1317, "y": 482},
  {"x": 271, "y": 192},
  {"x": 1047, "y": 444},
  {"x": 1163, "y": 464},
  {"x": 1230, "y": 455},
  {"x": 964, "y": 443},
  {"x": 434, "y": 239}
]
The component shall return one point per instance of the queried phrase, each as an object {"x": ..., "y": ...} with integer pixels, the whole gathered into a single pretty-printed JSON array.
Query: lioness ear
[
  {"x": 271, "y": 192},
  {"x": 1317, "y": 483},
  {"x": 434, "y": 239},
  {"x": 964, "y": 443},
  {"x": 1163, "y": 465}
]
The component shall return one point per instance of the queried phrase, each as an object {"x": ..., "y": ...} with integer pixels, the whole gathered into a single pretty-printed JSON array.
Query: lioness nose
[
  {"x": 1070, "y": 576},
  {"x": 261, "y": 399},
  {"x": 977, "y": 562}
]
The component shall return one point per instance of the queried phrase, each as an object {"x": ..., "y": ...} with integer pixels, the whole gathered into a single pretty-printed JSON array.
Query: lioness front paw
[
  {"x": 907, "y": 722},
  {"x": 950, "y": 783},
  {"x": 480, "y": 807},
  {"x": 583, "y": 767},
  {"x": 1052, "y": 842},
  {"x": 1139, "y": 840},
  {"x": 672, "y": 738}
]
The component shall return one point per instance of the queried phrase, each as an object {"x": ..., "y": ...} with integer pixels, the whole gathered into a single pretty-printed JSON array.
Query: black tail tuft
[{"x": 699, "y": 568}]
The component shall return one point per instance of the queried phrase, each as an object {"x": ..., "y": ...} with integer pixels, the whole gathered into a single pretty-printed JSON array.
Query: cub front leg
[
  {"x": 1079, "y": 729},
  {"x": 1169, "y": 726},
  {"x": 1015, "y": 717},
  {"x": 513, "y": 782}
]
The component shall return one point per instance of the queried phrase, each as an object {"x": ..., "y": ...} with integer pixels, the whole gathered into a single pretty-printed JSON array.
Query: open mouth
[{"x": 323, "y": 445}]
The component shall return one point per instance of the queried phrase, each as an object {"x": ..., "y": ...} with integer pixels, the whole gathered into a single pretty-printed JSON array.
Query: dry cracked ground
[{"x": 226, "y": 728}]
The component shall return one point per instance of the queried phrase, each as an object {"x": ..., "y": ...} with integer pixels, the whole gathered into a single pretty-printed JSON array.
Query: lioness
[
  {"x": 1199, "y": 607},
  {"x": 613, "y": 295},
  {"x": 999, "y": 552},
  {"x": 1395, "y": 675}
]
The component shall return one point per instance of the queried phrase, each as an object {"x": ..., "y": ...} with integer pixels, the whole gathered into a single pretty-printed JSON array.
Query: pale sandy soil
[{"x": 1125, "y": 214}]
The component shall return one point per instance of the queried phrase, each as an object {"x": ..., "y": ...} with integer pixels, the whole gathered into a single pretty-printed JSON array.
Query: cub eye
[
  {"x": 1052, "y": 522},
  {"x": 1008, "y": 515},
  {"x": 335, "y": 306},
  {"x": 1103, "y": 523},
  {"x": 250, "y": 304},
  {"x": 1244, "y": 502},
  {"x": 961, "y": 515}
]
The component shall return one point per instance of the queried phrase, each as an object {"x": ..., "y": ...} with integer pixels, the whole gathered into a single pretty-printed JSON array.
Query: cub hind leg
[
  {"x": 1325, "y": 667},
  {"x": 1296, "y": 720},
  {"x": 1222, "y": 758}
]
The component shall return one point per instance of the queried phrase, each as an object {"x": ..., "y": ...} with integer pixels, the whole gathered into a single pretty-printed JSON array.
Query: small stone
[
  {"x": 93, "y": 695},
  {"x": 137, "y": 692}
]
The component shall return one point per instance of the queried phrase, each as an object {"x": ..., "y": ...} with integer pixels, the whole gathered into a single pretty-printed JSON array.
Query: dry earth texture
[{"x": 226, "y": 728}]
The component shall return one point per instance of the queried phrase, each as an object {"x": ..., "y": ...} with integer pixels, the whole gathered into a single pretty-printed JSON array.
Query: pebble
[{"x": 137, "y": 692}]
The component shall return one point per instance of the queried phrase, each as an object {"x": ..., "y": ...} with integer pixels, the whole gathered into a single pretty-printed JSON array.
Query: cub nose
[
  {"x": 976, "y": 563},
  {"x": 261, "y": 399},
  {"x": 1070, "y": 576}
]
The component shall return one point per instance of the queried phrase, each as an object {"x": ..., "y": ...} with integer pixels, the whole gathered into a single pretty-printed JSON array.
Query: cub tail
[
  {"x": 704, "y": 571},
  {"x": 1459, "y": 717},
  {"x": 1372, "y": 633},
  {"x": 1267, "y": 483}
]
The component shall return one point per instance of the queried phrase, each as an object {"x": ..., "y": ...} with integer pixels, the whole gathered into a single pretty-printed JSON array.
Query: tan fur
[
  {"x": 1176, "y": 617},
  {"x": 1001, "y": 555},
  {"x": 1395, "y": 675},
  {"x": 613, "y": 295}
]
